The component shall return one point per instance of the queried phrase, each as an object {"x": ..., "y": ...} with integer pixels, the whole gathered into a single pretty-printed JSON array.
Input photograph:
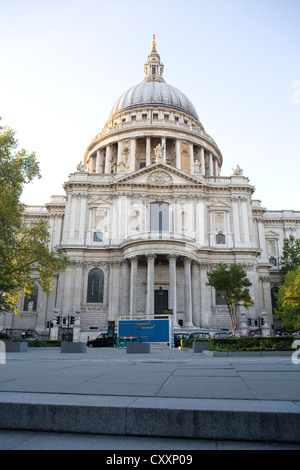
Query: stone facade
[{"x": 147, "y": 214}]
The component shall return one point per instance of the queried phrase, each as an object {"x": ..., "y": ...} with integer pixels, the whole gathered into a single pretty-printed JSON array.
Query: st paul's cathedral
[{"x": 147, "y": 214}]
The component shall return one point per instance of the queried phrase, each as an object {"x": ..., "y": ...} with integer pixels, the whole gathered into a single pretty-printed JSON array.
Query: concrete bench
[
  {"x": 16, "y": 346},
  {"x": 73, "y": 348},
  {"x": 200, "y": 346},
  {"x": 138, "y": 347}
]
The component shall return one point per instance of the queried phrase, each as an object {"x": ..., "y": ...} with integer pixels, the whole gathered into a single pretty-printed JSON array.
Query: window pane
[
  {"x": 30, "y": 301},
  {"x": 159, "y": 217},
  {"x": 95, "y": 286},
  {"x": 219, "y": 298},
  {"x": 220, "y": 239}
]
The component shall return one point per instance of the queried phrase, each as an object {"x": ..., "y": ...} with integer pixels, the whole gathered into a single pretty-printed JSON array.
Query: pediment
[
  {"x": 271, "y": 234},
  {"x": 219, "y": 206},
  {"x": 100, "y": 201},
  {"x": 159, "y": 174}
]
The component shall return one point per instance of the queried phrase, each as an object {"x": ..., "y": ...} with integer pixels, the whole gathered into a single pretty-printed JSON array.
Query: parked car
[
  {"x": 219, "y": 334},
  {"x": 3, "y": 335},
  {"x": 102, "y": 341},
  {"x": 200, "y": 334},
  {"x": 178, "y": 337}
]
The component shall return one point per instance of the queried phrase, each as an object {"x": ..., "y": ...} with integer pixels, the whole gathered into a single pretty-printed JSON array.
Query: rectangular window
[
  {"x": 159, "y": 217},
  {"x": 219, "y": 298}
]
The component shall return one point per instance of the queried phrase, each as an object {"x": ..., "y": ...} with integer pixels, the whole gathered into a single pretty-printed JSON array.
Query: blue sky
[{"x": 65, "y": 62}]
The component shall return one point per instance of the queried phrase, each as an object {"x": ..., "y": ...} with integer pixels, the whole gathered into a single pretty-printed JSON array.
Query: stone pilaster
[
  {"x": 172, "y": 287},
  {"x": 133, "y": 285},
  {"x": 187, "y": 292},
  {"x": 150, "y": 284}
]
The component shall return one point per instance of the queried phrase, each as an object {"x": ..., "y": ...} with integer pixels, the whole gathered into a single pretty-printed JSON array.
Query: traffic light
[
  {"x": 57, "y": 320},
  {"x": 262, "y": 321},
  {"x": 48, "y": 324},
  {"x": 64, "y": 320},
  {"x": 72, "y": 320}
]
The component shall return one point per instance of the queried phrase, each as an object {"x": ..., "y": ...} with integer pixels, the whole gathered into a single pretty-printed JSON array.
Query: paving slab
[{"x": 107, "y": 391}]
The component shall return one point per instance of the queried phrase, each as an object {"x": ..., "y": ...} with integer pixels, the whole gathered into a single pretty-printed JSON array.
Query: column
[
  {"x": 245, "y": 221},
  {"x": 73, "y": 216},
  {"x": 132, "y": 154},
  {"x": 261, "y": 239},
  {"x": 211, "y": 171},
  {"x": 195, "y": 293},
  {"x": 133, "y": 285},
  {"x": 163, "y": 144},
  {"x": 216, "y": 168},
  {"x": 114, "y": 289},
  {"x": 120, "y": 148},
  {"x": 202, "y": 161},
  {"x": 205, "y": 297},
  {"x": 107, "y": 160},
  {"x": 81, "y": 229},
  {"x": 178, "y": 154},
  {"x": 236, "y": 221},
  {"x": 92, "y": 164},
  {"x": 172, "y": 287},
  {"x": 125, "y": 287},
  {"x": 191, "y": 158},
  {"x": 150, "y": 284},
  {"x": 98, "y": 162},
  {"x": 187, "y": 292},
  {"x": 148, "y": 151}
]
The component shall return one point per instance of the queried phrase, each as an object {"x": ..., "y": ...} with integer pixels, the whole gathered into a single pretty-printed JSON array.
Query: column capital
[
  {"x": 188, "y": 260},
  {"x": 150, "y": 256},
  {"x": 133, "y": 259},
  {"x": 172, "y": 257}
]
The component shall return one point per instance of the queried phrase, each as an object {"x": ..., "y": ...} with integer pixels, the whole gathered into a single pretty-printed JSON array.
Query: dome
[{"x": 151, "y": 93}]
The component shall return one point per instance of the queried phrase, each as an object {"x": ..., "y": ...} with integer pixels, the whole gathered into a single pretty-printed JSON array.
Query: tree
[
  {"x": 290, "y": 258},
  {"x": 24, "y": 250},
  {"x": 288, "y": 296},
  {"x": 233, "y": 283}
]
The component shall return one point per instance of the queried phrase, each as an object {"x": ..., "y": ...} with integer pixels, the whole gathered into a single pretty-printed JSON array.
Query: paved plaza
[{"x": 166, "y": 393}]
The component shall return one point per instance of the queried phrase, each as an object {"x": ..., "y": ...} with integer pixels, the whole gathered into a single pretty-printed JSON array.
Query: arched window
[
  {"x": 220, "y": 239},
  {"x": 159, "y": 217},
  {"x": 30, "y": 301},
  {"x": 95, "y": 286}
]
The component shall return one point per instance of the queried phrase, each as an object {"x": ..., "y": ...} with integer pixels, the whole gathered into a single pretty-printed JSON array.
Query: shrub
[
  {"x": 188, "y": 342},
  {"x": 39, "y": 343},
  {"x": 246, "y": 343},
  {"x": 45, "y": 343},
  {"x": 250, "y": 343}
]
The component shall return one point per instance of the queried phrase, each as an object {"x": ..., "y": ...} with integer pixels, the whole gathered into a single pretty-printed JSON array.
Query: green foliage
[
  {"x": 290, "y": 258},
  {"x": 247, "y": 343},
  {"x": 188, "y": 342},
  {"x": 234, "y": 284},
  {"x": 39, "y": 343},
  {"x": 288, "y": 297},
  {"x": 251, "y": 343},
  {"x": 24, "y": 250}
]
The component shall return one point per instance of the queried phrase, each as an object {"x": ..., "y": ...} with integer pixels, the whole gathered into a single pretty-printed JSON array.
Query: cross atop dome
[
  {"x": 153, "y": 68},
  {"x": 153, "y": 43}
]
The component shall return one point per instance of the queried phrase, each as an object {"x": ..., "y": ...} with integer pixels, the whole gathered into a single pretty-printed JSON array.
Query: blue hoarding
[{"x": 150, "y": 331}]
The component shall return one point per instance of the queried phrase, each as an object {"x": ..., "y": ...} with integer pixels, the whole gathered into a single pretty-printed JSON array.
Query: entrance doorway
[{"x": 161, "y": 298}]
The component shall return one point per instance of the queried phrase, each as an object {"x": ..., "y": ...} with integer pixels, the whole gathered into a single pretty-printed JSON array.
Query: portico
[{"x": 170, "y": 275}]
